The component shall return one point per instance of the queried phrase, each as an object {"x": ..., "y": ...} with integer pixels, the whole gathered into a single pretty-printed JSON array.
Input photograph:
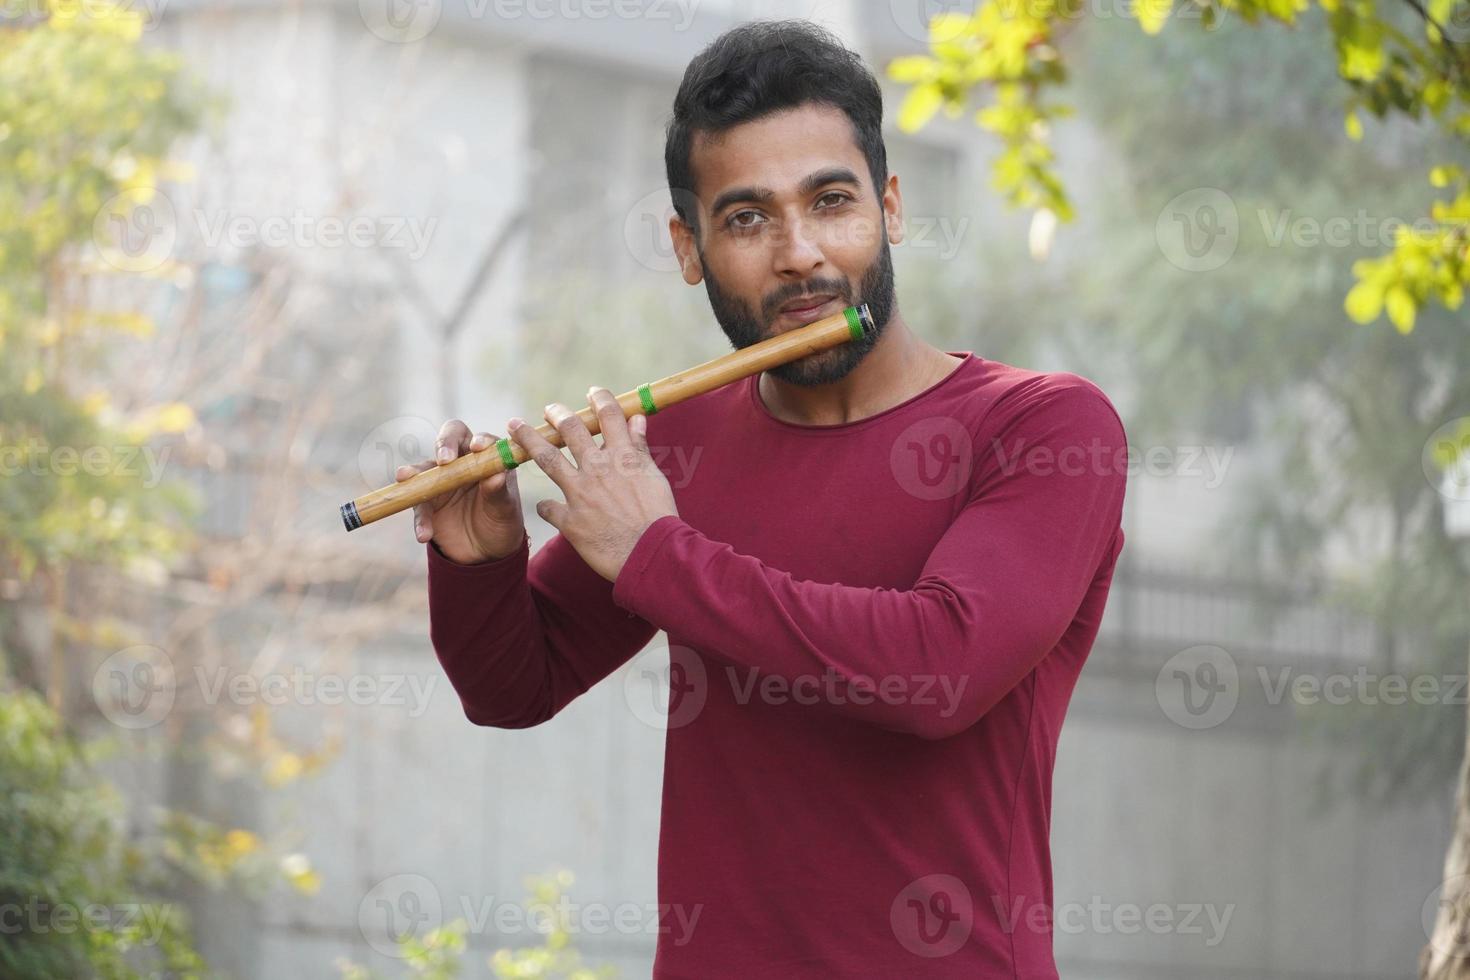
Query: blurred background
[{"x": 253, "y": 253}]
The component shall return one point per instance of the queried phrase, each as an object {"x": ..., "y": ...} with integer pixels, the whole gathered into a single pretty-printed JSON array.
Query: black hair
[{"x": 763, "y": 67}]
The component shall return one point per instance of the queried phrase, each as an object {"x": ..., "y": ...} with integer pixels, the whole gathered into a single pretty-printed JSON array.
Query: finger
[
  {"x": 610, "y": 418},
  {"x": 423, "y": 523},
  {"x": 553, "y": 512},
  {"x": 638, "y": 432},
  {"x": 542, "y": 452},
  {"x": 573, "y": 430},
  {"x": 407, "y": 471},
  {"x": 423, "y": 520},
  {"x": 453, "y": 435},
  {"x": 480, "y": 442}
]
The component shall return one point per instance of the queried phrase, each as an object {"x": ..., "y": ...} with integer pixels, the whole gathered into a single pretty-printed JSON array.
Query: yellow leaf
[
  {"x": 919, "y": 106},
  {"x": 912, "y": 69},
  {"x": 1361, "y": 59},
  {"x": 947, "y": 27},
  {"x": 1152, "y": 14},
  {"x": 175, "y": 417},
  {"x": 178, "y": 171},
  {"x": 286, "y": 768},
  {"x": 298, "y": 872},
  {"x": 95, "y": 402},
  {"x": 1401, "y": 308},
  {"x": 133, "y": 323},
  {"x": 1443, "y": 176},
  {"x": 1436, "y": 95},
  {"x": 1354, "y": 126},
  {"x": 241, "y": 842},
  {"x": 1364, "y": 302},
  {"x": 309, "y": 883}
]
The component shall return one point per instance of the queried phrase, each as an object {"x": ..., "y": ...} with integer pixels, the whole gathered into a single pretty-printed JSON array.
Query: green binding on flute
[
  {"x": 645, "y": 395},
  {"x": 503, "y": 447}
]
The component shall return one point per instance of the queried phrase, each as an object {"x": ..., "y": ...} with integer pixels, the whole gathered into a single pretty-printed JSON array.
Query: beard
[{"x": 743, "y": 328}]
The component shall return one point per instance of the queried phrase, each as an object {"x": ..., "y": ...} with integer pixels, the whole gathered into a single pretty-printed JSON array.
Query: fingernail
[
  {"x": 445, "y": 454},
  {"x": 515, "y": 423}
]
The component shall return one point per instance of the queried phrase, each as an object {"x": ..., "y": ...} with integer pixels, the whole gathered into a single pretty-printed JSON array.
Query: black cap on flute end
[
  {"x": 865, "y": 317},
  {"x": 349, "y": 516}
]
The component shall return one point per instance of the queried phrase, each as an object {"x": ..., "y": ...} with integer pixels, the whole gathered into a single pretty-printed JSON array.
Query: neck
[{"x": 899, "y": 366}]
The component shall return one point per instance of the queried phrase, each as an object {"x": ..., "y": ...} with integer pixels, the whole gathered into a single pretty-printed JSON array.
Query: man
[{"x": 879, "y": 581}]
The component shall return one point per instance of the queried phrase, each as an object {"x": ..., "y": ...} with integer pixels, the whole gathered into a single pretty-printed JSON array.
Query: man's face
[{"x": 787, "y": 210}]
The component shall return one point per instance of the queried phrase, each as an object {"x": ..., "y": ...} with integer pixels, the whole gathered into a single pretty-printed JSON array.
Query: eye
[
  {"x": 738, "y": 225},
  {"x": 839, "y": 196}
]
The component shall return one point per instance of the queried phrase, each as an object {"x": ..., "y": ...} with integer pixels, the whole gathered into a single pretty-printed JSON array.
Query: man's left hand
[{"x": 614, "y": 491}]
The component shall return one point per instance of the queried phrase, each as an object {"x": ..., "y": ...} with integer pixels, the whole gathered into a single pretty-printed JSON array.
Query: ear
[
  {"x": 683, "y": 238},
  {"x": 893, "y": 210}
]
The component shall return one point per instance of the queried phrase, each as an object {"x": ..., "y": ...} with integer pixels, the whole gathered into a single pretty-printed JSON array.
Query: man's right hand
[{"x": 474, "y": 523}]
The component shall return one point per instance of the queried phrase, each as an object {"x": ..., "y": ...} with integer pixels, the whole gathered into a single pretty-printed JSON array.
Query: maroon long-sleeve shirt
[{"x": 875, "y": 629}]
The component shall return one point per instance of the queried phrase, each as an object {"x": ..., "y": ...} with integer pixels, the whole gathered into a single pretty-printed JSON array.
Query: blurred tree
[
  {"x": 436, "y": 954},
  {"x": 90, "y": 412},
  {"x": 1345, "y": 414},
  {"x": 85, "y": 119},
  {"x": 79, "y": 897},
  {"x": 1396, "y": 57}
]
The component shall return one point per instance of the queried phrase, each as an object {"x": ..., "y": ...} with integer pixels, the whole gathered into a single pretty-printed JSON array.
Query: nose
[{"x": 798, "y": 254}]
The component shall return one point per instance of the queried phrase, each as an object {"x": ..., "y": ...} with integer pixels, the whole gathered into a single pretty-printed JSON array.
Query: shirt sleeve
[
  {"x": 520, "y": 637},
  {"x": 996, "y": 594}
]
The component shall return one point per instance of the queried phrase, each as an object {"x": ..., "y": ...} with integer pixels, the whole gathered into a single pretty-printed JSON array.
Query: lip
[{"x": 810, "y": 314}]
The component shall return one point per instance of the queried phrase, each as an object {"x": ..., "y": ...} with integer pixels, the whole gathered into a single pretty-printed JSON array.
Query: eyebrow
[{"x": 809, "y": 183}]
